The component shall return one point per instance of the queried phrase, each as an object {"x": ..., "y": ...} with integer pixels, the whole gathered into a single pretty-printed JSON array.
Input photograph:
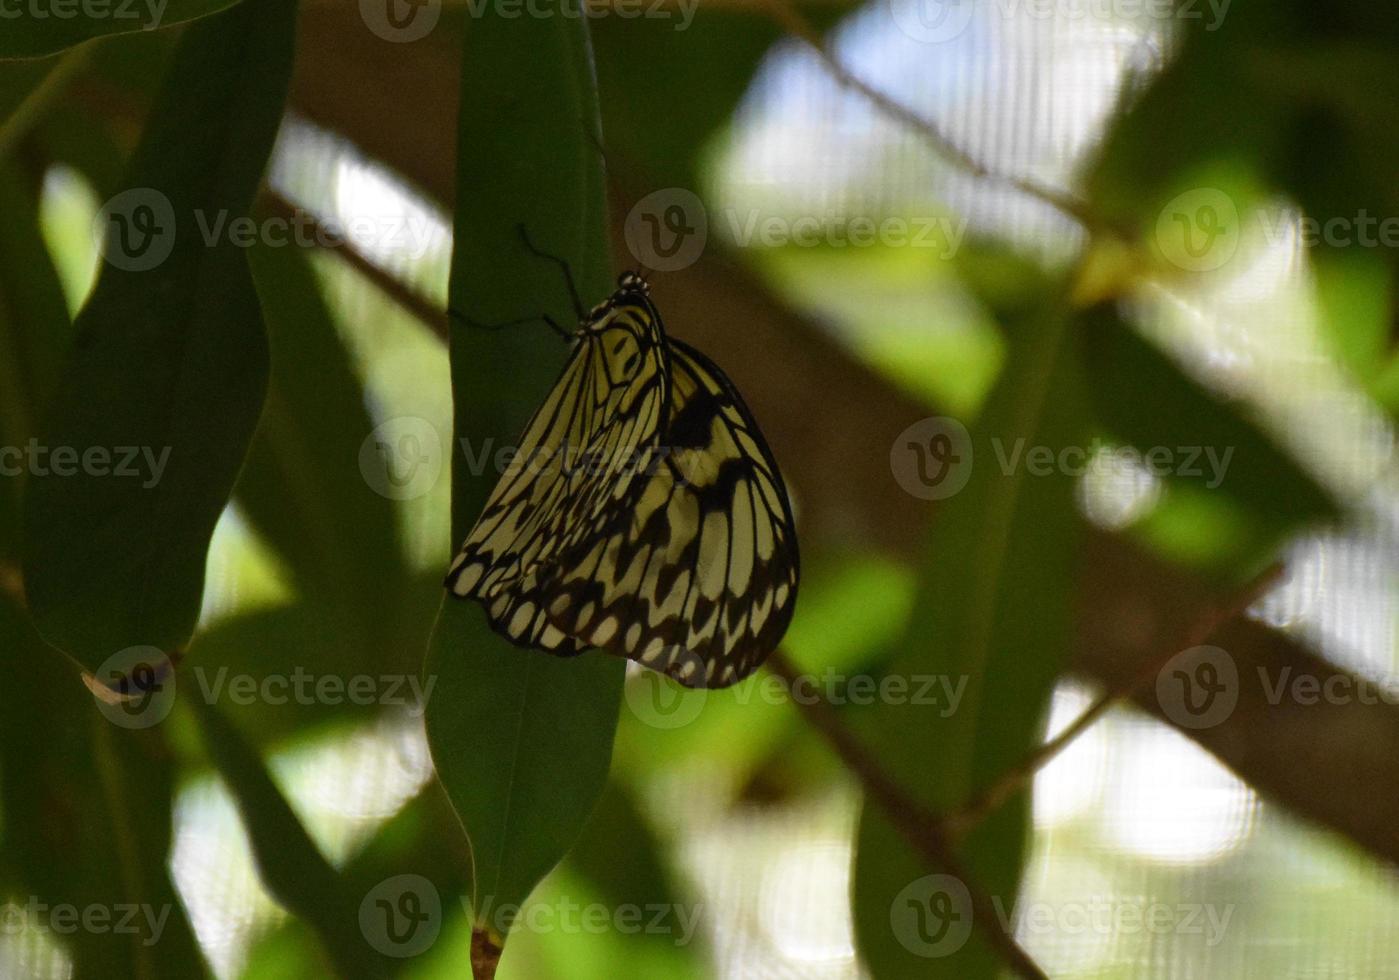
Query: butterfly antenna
[{"x": 562, "y": 264}]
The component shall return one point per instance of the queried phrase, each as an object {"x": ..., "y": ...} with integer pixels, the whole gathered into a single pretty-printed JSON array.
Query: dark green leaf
[
  {"x": 302, "y": 487},
  {"x": 87, "y": 809},
  {"x": 288, "y": 861},
  {"x": 35, "y": 333},
  {"x": 522, "y": 740},
  {"x": 171, "y": 358},
  {"x": 39, "y": 28},
  {"x": 1142, "y": 397},
  {"x": 993, "y": 614}
]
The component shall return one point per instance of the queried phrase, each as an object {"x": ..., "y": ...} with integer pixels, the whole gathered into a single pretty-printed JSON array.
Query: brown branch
[
  {"x": 404, "y": 295},
  {"x": 786, "y": 16},
  {"x": 920, "y": 826},
  {"x": 971, "y": 813}
]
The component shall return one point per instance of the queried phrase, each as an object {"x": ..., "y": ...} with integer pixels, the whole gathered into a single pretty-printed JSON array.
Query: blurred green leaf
[
  {"x": 35, "y": 333},
  {"x": 302, "y": 486},
  {"x": 1143, "y": 397},
  {"x": 290, "y": 865},
  {"x": 170, "y": 361},
  {"x": 313, "y": 639},
  {"x": 993, "y": 615},
  {"x": 521, "y": 740},
  {"x": 18, "y": 80},
  {"x": 87, "y": 817},
  {"x": 34, "y": 29}
]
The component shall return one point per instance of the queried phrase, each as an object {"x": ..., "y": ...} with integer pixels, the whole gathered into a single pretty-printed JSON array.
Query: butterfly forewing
[{"x": 575, "y": 465}]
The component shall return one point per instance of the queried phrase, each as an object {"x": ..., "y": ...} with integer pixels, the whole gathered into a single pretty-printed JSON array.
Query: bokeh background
[{"x": 1264, "y": 845}]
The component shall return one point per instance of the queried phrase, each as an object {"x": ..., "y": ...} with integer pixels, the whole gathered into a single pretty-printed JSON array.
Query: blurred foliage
[{"x": 529, "y": 806}]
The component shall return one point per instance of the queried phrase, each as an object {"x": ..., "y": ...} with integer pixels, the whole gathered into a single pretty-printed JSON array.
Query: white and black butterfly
[{"x": 644, "y": 514}]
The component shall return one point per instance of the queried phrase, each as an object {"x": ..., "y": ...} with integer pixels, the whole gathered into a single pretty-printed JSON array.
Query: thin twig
[
  {"x": 1013, "y": 780},
  {"x": 791, "y": 20},
  {"x": 920, "y": 826},
  {"x": 404, "y": 295}
]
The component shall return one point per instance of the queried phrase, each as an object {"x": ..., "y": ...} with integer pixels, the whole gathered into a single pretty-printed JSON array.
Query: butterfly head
[
  {"x": 631, "y": 286},
  {"x": 633, "y": 282}
]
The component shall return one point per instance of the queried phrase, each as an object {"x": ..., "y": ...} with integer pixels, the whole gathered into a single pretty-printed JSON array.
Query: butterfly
[{"x": 643, "y": 513}]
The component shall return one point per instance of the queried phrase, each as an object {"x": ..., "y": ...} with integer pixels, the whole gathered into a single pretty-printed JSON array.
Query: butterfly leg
[
  {"x": 562, "y": 264},
  {"x": 535, "y": 318}
]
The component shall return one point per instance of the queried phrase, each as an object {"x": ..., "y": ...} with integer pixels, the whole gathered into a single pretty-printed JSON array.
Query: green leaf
[
  {"x": 993, "y": 614},
  {"x": 316, "y": 639},
  {"x": 288, "y": 861},
  {"x": 171, "y": 359},
  {"x": 1142, "y": 397},
  {"x": 302, "y": 487},
  {"x": 35, "y": 334},
  {"x": 87, "y": 810},
  {"x": 35, "y": 29},
  {"x": 522, "y": 740},
  {"x": 522, "y": 743}
]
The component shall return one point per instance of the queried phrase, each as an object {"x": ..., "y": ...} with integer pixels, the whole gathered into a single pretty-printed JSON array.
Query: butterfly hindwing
[{"x": 699, "y": 578}]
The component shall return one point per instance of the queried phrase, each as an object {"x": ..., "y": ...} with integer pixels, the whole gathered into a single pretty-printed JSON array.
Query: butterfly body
[{"x": 644, "y": 514}]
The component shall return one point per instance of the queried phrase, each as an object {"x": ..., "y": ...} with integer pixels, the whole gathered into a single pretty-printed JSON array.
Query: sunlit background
[{"x": 1133, "y": 815}]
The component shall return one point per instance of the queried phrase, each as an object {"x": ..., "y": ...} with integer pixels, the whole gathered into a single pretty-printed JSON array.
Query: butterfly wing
[
  {"x": 575, "y": 466},
  {"x": 698, "y": 578}
]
